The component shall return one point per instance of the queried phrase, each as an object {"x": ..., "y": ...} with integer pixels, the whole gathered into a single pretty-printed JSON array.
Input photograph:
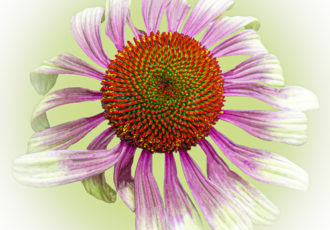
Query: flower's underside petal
[
  {"x": 57, "y": 167},
  {"x": 247, "y": 198},
  {"x": 85, "y": 27},
  {"x": 289, "y": 98},
  {"x": 176, "y": 12},
  {"x": 219, "y": 212},
  {"x": 284, "y": 126},
  {"x": 64, "y": 135},
  {"x": 152, "y": 12},
  {"x": 264, "y": 68},
  {"x": 245, "y": 42},
  {"x": 97, "y": 185},
  {"x": 204, "y": 12},
  {"x": 225, "y": 26},
  {"x": 149, "y": 208},
  {"x": 44, "y": 77},
  {"x": 262, "y": 165},
  {"x": 117, "y": 12},
  {"x": 181, "y": 212},
  {"x": 39, "y": 119},
  {"x": 122, "y": 176}
]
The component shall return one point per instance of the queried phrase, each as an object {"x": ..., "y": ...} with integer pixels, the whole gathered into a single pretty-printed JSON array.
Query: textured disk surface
[{"x": 163, "y": 92}]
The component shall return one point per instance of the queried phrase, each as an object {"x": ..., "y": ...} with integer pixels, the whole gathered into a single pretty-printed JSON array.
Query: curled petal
[
  {"x": 181, "y": 212},
  {"x": 39, "y": 119},
  {"x": 85, "y": 27},
  {"x": 64, "y": 135},
  {"x": 204, "y": 12},
  {"x": 243, "y": 43},
  {"x": 149, "y": 208},
  {"x": 176, "y": 12},
  {"x": 44, "y": 77},
  {"x": 264, "y": 68},
  {"x": 283, "y": 126},
  {"x": 262, "y": 165},
  {"x": 152, "y": 12},
  {"x": 225, "y": 26}
]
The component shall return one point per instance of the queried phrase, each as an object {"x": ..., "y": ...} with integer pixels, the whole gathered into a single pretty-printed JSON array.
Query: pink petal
[
  {"x": 102, "y": 140},
  {"x": 149, "y": 208},
  {"x": 152, "y": 12},
  {"x": 61, "y": 97},
  {"x": 225, "y": 26},
  {"x": 181, "y": 212},
  {"x": 85, "y": 27},
  {"x": 176, "y": 12},
  {"x": 204, "y": 12}
]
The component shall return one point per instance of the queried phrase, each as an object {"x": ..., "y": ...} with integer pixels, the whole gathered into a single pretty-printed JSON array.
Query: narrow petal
[
  {"x": 85, "y": 27},
  {"x": 284, "y": 126},
  {"x": 135, "y": 30},
  {"x": 97, "y": 185},
  {"x": 117, "y": 12},
  {"x": 249, "y": 200},
  {"x": 44, "y": 77},
  {"x": 204, "y": 12},
  {"x": 152, "y": 12},
  {"x": 243, "y": 43},
  {"x": 39, "y": 119},
  {"x": 181, "y": 212},
  {"x": 176, "y": 12},
  {"x": 262, "y": 165},
  {"x": 219, "y": 212},
  {"x": 64, "y": 135},
  {"x": 264, "y": 68},
  {"x": 57, "y": 167},
  {"x": 122, "y": 176},
  {"x": 289, "y": 98},
  {"x": 225, "y": 26},
  {"x": 149, "y": 208}
]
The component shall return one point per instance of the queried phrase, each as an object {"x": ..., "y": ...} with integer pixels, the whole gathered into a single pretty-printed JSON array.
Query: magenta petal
[
  {"x": 152, "y": 12},
  {"x": 61, "y": 97},
  {"x": 149, "y": 208},
  {"x": 204, "y": 12},
  {"x": 219, "y": 212},
  {"x": 64, "y": 135},
  {"x": 122, "y": 176},
  {"x": 85, "y": 27},
  {"x": 102, "y": 140},
  {"x": 181, "y": 212},
  {"x": 247, "y": 198},
  {"x": 176, "y": 12}
]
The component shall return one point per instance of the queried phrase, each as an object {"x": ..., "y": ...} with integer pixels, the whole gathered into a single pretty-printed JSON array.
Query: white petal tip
[{"x": 42, "y": 83}]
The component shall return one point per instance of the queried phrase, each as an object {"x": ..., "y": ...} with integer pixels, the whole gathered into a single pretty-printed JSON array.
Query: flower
[{"x": 163, "y": 93}]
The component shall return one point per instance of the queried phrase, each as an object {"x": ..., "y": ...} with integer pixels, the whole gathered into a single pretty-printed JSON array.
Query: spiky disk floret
[{"x": 163, "y": 93}]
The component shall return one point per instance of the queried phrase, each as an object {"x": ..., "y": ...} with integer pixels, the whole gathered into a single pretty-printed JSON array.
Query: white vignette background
[{"x": 297, "y": 31}]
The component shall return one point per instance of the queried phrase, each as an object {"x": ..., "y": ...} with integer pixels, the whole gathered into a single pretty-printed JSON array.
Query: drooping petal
[
  {"x": 289, "y": 98},
  {"x": 122, "y": 176},
  {"x": 245, "y": 42},
  {"x": 181, "y": 212},
  {"x": 204, "y": 12},
  {"x": 226, "y": 26},
  {"x": 283, "y": 126},
  {"x": 97, "y": 185},
  {"x": 39, "y": 119},
  {"x": 44, "y": 77},
  {"x": 218, "y": 211},
  {"x": 264, "y": 68},
  {"x": 64, "y": 135},
  {"x": 176, "y": 12},
  {"x": 57, "y": 167},
  {"x": 149, "y": 208},
  {"x": 262, "y": 165},
  {"x": 85, "y": 27},
  {"x": 137, "y": 32},
  {"x": 152, "y": 12},
  {"x": 248, "y": 199},
  {"x": 117, "y": 12}
]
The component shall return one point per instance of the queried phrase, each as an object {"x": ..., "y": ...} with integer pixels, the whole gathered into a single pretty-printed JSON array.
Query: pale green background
[{"x": 297, "y": 31}]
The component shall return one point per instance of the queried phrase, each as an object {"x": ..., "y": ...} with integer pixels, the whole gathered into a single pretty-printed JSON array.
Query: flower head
[{"x": 163, "y": 93}]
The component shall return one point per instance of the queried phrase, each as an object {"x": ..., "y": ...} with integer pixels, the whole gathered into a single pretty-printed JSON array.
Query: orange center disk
[{"x": 163, "y": 93}]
